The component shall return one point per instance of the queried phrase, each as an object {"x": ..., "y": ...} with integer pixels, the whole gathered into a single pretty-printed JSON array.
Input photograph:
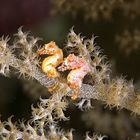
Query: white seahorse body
[
  {"x": 79, "y": 68},
  {"x": 76, "y": 76}
]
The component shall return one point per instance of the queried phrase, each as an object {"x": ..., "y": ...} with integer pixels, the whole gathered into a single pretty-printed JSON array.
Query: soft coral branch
[
  {"x": 117, "y": 92},
  {"x": 22, "y": 56}
]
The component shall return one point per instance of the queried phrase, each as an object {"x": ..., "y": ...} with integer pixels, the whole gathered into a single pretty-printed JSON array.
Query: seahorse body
[
  {"x": 50, "y": 63},
  {"x": 79, "y": 68}
]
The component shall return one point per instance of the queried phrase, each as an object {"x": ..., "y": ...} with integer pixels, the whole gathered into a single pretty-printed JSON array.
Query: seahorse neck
[{"x": 58, "y": 54}]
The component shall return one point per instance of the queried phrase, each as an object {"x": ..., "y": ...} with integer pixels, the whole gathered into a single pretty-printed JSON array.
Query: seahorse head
[
  {"x": 49, "y": 48},
  {"x": 71, "y": 62}
]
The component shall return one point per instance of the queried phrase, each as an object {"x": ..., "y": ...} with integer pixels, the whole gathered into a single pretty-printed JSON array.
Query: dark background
[{"x": 36, "y": 16}]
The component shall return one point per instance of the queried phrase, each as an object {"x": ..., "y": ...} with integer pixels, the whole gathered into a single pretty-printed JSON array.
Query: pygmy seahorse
[
  {"x": 50, "y": 63},
  {"x": 79, "y": 68}
]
